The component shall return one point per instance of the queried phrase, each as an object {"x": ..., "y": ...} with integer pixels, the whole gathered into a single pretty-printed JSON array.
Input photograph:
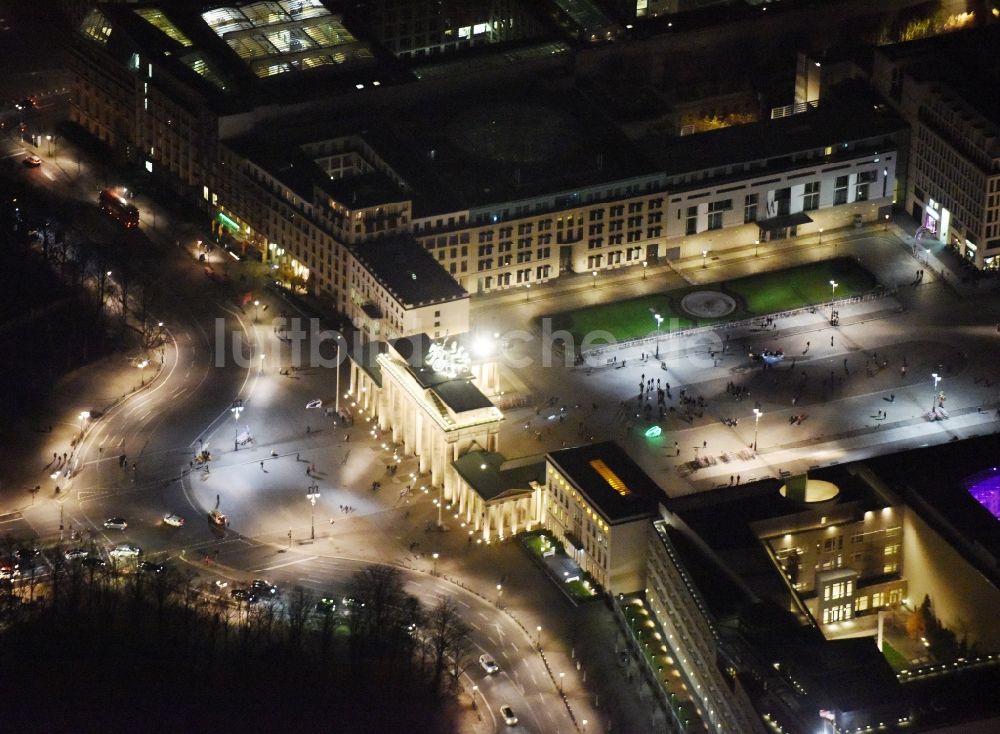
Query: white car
[
  {"x": 115, "y": 523},
  {"x": 125, "y": 550},
  {"x": 72, "y": 554},
  {"x": 509, "y": 717},
  {"x": 172, "y": 519},
  {"x": 489, "y": 664}
]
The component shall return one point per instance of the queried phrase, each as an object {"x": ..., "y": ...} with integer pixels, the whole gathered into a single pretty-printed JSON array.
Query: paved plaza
[{"x": 839, "y": 393}]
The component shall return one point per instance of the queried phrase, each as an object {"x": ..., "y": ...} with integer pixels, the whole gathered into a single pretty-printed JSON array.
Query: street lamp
[
  {"x": 312, "y": 495},
  {"x": 84, "y": 415},
  {"x": 756, "y": 424},
  {"x": 937, "y": 379},
  {"x": 644, "y": 263},
  {"x": 886, "y": 223},
  {"x": 538, "y": 637},
  {"x": 561, "y": 676},
  {"x": 499, "y": 593},
  {"x": 833, "y": 289},
  {"x": 527, "y": 291},
  {"x": 435, "y": 556},
  {"x": 659, "y": 320},
  {"x": 142, "y": 366},
  {"x": 256, "y": 304},
  {"x": 236, "y": 409},
  {"x": 756, "y": 246},
  {"x": 821, "y": 235},
  {"x": 595, "y": 278},
  {"x": 704, "y": 258}
]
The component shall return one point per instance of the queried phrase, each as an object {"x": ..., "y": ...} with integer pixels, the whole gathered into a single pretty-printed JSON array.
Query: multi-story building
[
  {"x": 502, "y": 194},
  {"x": 416, "y": 28},
  {"x": 953, "y": 182},
  {"x": 599, "y": 503}
]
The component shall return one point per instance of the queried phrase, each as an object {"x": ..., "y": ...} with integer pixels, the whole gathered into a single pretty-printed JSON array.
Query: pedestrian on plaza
[
  {"x": 307, "y": 429},
  {"x": 262, "y": 466},
  {"x": 892, "y": 397},
  {"x": 296, "y": 455},
  {"x": 737, "y": 479},
  {"x": 704, "y": 444},
  {"x": 831, "y": 341},
  {"x": 730, "y": 480}
]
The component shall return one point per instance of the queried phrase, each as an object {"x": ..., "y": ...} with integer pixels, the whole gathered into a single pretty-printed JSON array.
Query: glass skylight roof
[
  {"x": 155, "y": 17},
  {"x": 276, "y": 37},
  {"x": 196, "y": 62},
  {"x": 96, "y": 27}
]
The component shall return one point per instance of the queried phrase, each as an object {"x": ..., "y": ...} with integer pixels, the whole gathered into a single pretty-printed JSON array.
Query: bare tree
[
  {"x": 300, "y": 607},
  {"x": 447, "y": 636}
]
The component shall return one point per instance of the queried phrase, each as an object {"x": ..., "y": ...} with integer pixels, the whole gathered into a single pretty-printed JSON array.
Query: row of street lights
[{"x": 757, "y": 412}]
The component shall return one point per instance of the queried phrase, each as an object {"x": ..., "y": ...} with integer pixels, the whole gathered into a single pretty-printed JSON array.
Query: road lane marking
[{"x": 287, "y": 563}]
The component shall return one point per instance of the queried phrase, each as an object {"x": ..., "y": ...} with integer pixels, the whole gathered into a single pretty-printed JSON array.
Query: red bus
[{"x": 116, "y": 206}]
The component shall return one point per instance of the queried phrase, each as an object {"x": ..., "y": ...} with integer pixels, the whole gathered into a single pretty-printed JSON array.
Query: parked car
[
  {"x": 260, "y": 587},
  {"x": 72, "y": 554},
  {"x": 150, "y": 567},
  {"x": 217, "y": 518},
  {"x": 488, "y": 663},
  {"x": 9, "y": 570},
  {"x": 244, "y": 595},
  {"x": 94, "y": 562},
  {"x": 32, "y": 161},
  {"x": 172, "y": 519},
  {"x": 26, "y": 555},
  {"x": 326, "y": 605},
  {"x": 509, "y": 717},
  {"x": 115, "y": 523},
  {"x": 125, "y": 550}
]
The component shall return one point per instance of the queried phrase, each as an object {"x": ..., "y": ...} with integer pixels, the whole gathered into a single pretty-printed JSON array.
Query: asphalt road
[{"x": 187, "y": 408}]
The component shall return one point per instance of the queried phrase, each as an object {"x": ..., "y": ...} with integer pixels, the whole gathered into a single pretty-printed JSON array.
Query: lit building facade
[
  {"x": 843, "y": 562},
  {"x": 160, "y": 88},
  {"x": 598, "y": 504},
  {"x": 953, "y": 182}
]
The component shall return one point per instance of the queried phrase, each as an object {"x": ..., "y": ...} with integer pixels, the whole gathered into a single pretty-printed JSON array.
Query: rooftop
[
  {"x": 501, "y": 144},
  {"x": 610, "y": 480},
  {"x": 408, "y": 271},
  {"x": 457, "y": 392},
  {"x": 240, "y": 54},
  {"x": 831, "y": 124},
  {"x": 492, "y": 476},
  {"x": 934, "y": 482}
]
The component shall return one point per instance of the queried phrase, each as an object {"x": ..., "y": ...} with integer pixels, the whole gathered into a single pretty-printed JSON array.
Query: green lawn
[
  {"x": 537, "y": 543},
  {"x": 579, "y": 590},
  {"x": 895, "y": 658},
  {"x": 756, "y": 295}
]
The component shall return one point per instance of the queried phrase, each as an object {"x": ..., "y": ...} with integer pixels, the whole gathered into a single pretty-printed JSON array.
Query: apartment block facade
[{"x": 953, "y": 184}]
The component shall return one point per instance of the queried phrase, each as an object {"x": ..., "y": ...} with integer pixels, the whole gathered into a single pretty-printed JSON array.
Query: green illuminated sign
[
  {"x": 223, "y": 219},
  {"x": 653, "y": 432}
]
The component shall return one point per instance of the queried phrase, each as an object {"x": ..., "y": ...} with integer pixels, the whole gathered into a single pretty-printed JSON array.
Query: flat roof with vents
[{"x": 610, "y": 481}]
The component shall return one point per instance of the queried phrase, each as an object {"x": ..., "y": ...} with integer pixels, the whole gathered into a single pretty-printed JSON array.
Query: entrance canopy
[{"x": 784, "y": 221}]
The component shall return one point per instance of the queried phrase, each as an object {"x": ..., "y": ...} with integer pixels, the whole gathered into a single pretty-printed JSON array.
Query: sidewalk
[{"x": 56, "y": 429}]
